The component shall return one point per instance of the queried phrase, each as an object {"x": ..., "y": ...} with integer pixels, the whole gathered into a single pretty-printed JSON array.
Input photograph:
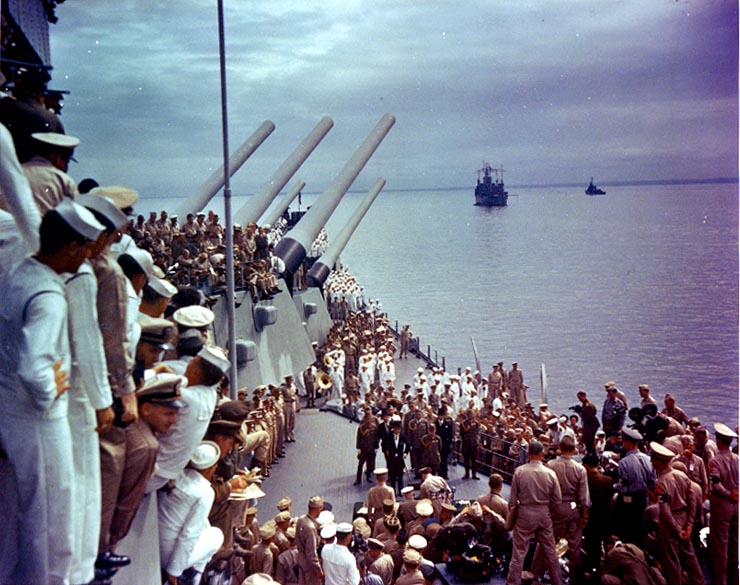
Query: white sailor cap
[
  {"x": 122, "y": 197},
  {"x": 344, "y": 528},
  {"x": 216, "y": 357},
  {"x": 143, "y": 259},
  {"x": 206, "y": 455},
  {"x": 380, "y": 471},
  {"x": 328, "y": 531},
  {"x": 417, "y": 542},
  {"x": 79, "y": 219},
  {"x": 163, "y": 287},
  {"x": 325, "y": 517},
  {"x": 194, "y": 316},
  {"x": 407, "y": 489},
  {"x": 104, "y": 207},
  {"x": 553, "y": 421}
]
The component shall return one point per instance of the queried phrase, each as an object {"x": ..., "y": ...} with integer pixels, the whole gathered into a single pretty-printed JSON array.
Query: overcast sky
[{"x": 556, "y": 91}]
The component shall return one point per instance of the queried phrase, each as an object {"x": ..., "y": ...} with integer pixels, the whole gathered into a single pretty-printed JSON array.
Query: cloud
[{"x": 555, "y": 91}]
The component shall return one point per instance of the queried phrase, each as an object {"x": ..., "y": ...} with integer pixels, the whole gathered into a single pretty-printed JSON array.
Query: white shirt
[
  {"x": 340, "y": 567},
  {"x": 89, "y": 376},
  {"x": 16, "y": 196},
  {"x": 35, "y": 335},
  {"x": 177, "y": 446},
  {"x": 133, "y": 300},
  {"x": 183, "y": 516}
]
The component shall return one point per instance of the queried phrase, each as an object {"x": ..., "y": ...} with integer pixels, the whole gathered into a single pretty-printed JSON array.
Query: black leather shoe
[
  {"x": 476, "y": 477},
  {"x": 103, "y": 576},
  {"x": 109, "y": 559},
  {"x": 357, "y": 482}
]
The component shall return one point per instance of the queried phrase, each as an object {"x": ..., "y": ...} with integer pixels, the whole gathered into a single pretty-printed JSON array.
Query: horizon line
[{"x": 630, "y": 183}]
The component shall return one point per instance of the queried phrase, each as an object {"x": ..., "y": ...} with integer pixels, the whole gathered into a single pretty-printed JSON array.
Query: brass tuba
[{"x": 324, "y": 381}]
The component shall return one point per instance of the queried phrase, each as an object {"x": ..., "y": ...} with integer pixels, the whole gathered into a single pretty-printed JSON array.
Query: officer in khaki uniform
[
  {"x": 534, "y": 492},
  {"x": 571, "y": 515},
  {"x": 262, "y": 560},
  {"x": 723, "y": 506},
  {"x": 367, "y": 444},
  {"x": 677, "y": 504},
  {"x": 291, "y": 405},
  {"x": 378, "y": 494},
  {"x": 307, "y": 541}
]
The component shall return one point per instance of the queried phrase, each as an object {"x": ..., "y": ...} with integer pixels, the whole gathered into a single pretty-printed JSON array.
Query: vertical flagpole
[{"x": 233, "y": 381}]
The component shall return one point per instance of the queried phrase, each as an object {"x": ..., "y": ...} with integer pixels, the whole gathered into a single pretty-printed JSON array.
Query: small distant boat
[
  {"x": 490, "y": 190},
  {"x": 593, "y": 189}
]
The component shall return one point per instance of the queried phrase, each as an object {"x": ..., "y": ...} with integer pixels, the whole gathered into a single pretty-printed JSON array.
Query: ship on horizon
[
  {"x": 593, "y": 189},
  {"x": 490, "y": 190}
]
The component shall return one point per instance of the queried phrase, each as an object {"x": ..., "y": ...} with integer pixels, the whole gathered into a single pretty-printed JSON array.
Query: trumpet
[{"x": 324, "y": 381}]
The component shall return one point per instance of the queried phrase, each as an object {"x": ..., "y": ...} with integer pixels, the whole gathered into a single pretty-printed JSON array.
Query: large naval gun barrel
[
  {"x": 323, "y": 266},
  {"x": 292, "y": 248},
  {"x": 256, "y": 206},
  {"x": 271, "y": 217},
  {"x": 214, "y": 183}
]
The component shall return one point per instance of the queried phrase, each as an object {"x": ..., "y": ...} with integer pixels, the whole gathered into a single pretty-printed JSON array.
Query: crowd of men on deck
[
  {"x": 115, "y": 404},
  {"x": 114, "y": 393},
  {"x": 633, "y": 492}
]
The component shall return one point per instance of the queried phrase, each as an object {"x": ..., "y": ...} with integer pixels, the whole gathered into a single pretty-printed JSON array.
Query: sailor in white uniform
[
  {"x": 90, "y": 397},
  {"x": 340, "y": 566},
  {"x": 19, "y": 236},
  {"x": 177, "y": 446},
  {"x": 186, "y": 538},
  {"x": 34, "y": 428},
  {"x": 19, "y": 217},
  {"x": 143, "y": 264}
]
